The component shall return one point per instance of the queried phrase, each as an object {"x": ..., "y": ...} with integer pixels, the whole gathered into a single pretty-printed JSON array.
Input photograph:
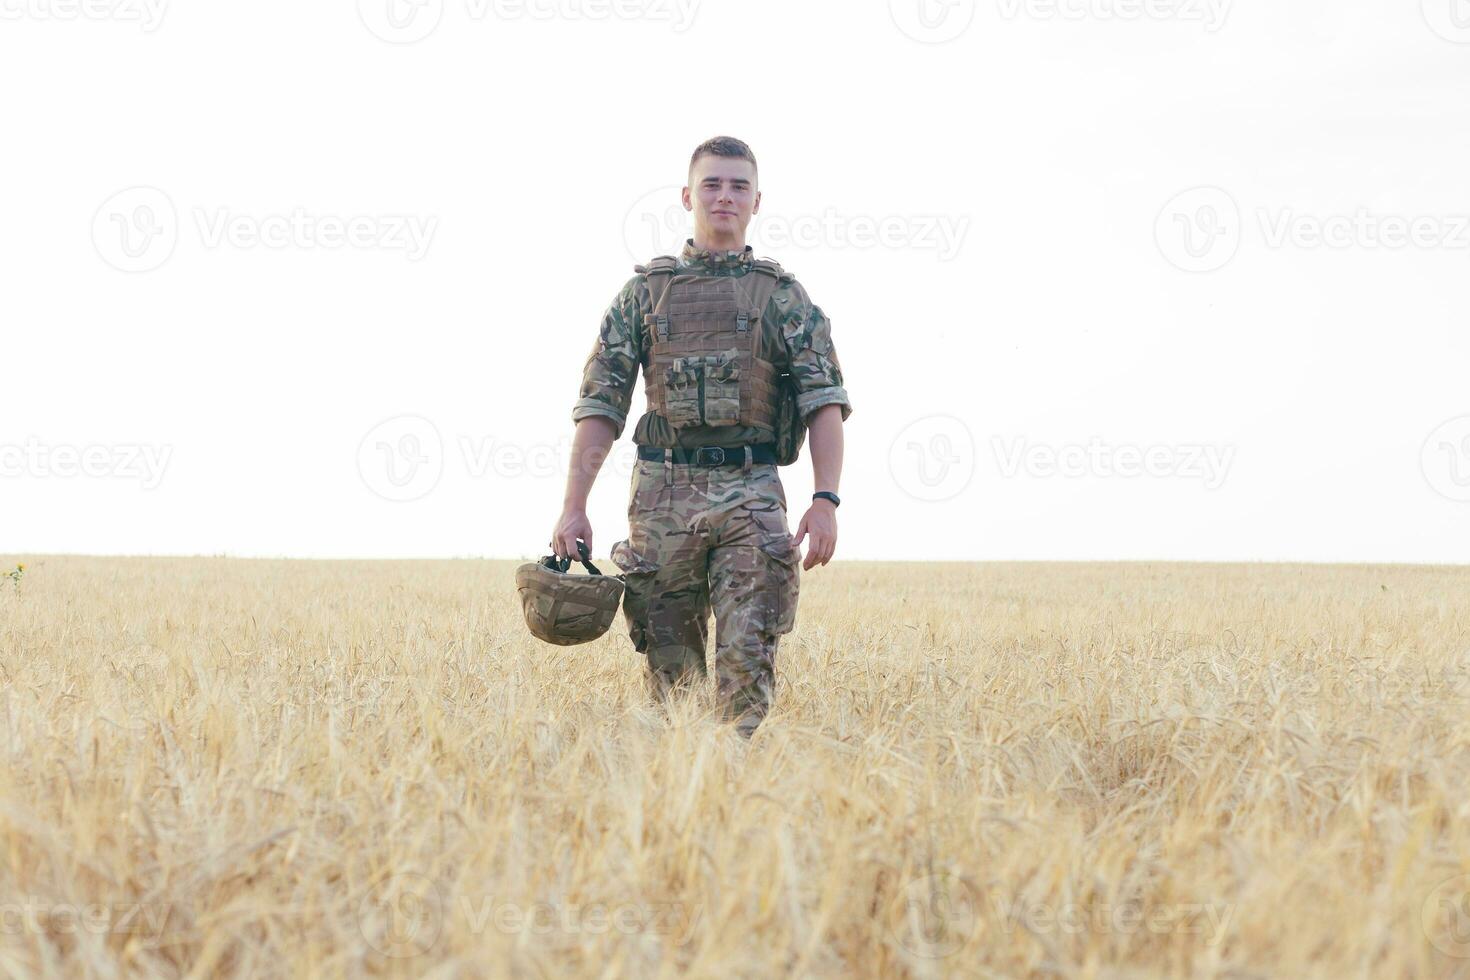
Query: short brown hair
[{"x": 723, "y": 146}]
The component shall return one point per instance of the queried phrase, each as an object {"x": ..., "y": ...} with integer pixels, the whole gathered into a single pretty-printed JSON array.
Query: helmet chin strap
[{"x": 562, "y": 564}]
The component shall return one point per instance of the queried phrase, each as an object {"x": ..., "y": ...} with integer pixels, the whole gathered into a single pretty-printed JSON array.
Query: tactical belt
[{"x": 710, "y": 455}]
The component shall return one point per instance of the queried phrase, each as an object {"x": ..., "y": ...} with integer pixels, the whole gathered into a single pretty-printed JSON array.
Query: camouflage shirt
[{"x": 796, "y": 337}]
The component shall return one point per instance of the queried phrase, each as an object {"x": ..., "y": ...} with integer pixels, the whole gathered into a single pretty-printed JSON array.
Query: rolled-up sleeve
[
  {"x": 814, "y": 365},
  {"x": 612, "y": 367}
]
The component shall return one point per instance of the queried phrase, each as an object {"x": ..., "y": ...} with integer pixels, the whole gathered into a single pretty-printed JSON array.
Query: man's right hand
[
  {"x": 572, "y": 525},
  {"x": 595, "y": 435}
]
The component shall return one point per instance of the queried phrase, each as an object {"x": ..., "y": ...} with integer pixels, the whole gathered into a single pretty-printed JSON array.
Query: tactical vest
[{"x": 703, "y": 365}]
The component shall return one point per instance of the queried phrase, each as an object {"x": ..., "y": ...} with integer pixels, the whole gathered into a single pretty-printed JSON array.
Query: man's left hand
[{"x": 820, "y": 521}]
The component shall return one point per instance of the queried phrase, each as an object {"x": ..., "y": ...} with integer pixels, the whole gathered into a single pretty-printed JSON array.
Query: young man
[{"x": 719, "y": 335}]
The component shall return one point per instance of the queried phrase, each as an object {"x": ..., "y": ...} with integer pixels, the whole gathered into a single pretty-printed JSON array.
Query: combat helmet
[{"x": 567, "y": 609}]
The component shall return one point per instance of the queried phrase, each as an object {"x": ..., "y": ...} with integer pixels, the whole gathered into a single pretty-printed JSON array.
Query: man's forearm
[
  {"x": 824, "y": 427},
  {"x": 590, "y": 445}
]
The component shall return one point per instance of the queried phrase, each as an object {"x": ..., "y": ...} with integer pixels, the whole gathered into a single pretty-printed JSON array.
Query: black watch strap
[{"x": 828, "y": 495}]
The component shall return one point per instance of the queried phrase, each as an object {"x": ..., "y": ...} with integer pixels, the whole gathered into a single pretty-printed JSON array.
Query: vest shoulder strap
[
  {"x": 773, "y": 268},
  {"x": 659, "y": 271},
  {"x": 768, "y": 275}
]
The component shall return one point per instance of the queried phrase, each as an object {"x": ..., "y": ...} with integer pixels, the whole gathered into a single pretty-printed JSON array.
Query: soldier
[{"x": 735, "y": 358}]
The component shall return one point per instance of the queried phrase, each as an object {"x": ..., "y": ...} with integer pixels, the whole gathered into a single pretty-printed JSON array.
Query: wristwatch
[{"x": 828, "y": 495}]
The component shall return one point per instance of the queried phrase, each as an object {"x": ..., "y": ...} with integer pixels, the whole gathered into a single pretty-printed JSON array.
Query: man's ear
[
  {"x": 688, "y": 201},
  {"x": 756, "y": 207}
]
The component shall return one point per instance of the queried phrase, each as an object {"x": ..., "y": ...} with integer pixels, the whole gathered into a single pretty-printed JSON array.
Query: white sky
[{"x": 1033, "y": 178}]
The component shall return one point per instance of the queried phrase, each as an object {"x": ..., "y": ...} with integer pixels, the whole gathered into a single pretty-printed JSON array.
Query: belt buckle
[{"x": 709, "y": 455}]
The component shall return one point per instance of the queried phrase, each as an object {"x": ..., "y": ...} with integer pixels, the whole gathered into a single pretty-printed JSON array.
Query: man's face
[{"x": 722, "y": 194}]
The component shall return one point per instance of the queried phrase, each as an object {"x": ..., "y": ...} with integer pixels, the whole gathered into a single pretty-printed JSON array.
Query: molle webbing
[{"x": 701, "y": 315}]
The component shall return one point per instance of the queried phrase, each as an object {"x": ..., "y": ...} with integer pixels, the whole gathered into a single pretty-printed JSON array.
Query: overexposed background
[{"x": 1144, "y": 279}]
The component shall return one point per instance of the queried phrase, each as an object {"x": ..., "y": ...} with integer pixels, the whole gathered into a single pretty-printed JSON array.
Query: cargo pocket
[
  {"x": 638, "y": 587},
  {"x": 648, "y": 493},
  {"x": 681, "y": 392},
  {"x": 783, "y": 582},
  {"x": 722, "y": 389}
]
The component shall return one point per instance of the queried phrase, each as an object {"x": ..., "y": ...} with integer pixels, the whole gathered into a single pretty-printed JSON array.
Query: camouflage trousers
[{"x": 703, "y": 537}]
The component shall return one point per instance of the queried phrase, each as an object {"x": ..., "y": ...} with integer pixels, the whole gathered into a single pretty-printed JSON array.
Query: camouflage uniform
[{"x": 710, "y": 536}]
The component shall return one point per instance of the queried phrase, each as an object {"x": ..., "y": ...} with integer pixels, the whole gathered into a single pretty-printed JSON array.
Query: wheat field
[{"x": 228, "y": 767}]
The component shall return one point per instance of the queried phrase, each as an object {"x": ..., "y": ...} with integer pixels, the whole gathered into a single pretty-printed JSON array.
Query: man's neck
[{"x": 716, "y": 243}]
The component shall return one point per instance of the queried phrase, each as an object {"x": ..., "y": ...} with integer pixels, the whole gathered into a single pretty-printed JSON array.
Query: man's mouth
[{"x": 727, "y": 214}]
